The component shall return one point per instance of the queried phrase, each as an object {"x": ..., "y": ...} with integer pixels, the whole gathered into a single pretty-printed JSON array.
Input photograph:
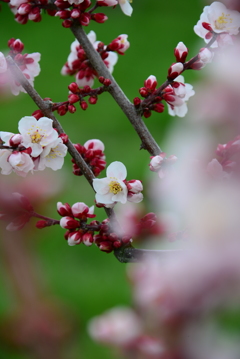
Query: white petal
[
  {"x": 101, "y": 185},
  {"x": 117, "y": 170}
]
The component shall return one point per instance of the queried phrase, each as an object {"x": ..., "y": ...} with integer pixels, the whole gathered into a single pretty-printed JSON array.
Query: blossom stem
[
  {"x": 50, "y": 220},
  {"x": 148, "y": 142}
]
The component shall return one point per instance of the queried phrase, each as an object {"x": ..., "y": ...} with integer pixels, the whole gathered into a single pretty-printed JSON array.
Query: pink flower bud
[
  {"x": 72, "y": 98},
  {"x": 85, "y": 19},
  {"x": 99, "y": 17},
  {"x": 92, "y": 100},
  {"x": 143, "y": 92},
  {"x": 41, "y": 224},
  {"x": 24, "y": 9},
  {"x": 156, "y": 162},
  {"x": 64, "y": 137},
  {"x": 87, "y": 239},
  {"x": 74, "y": 238},
  {"x": 137, "y": 101},
  {"x": 135, "y": 186},
  {"x": 75, "y": 13},
  {"x": 150, "y": 83},
  {"x": 69, "y": 223},
  {"x": 15, "y": 140},
  {"x": 67, "y": 23},
  {"x": 37, "y": 114},
  {"x": 73, "y": 87},
  {"x": 107, "y": 82},
  {"x": 106, "y": 246},
  {"x": 159, "y": 107},
  {"x": 83, "y": 105},
  {"x": 147, "y": 113},
  {"x": 64, "y": 209},
  {"x": 17, "y": 44},
  {"x": 175, "y": 70},
  {"x": 181, "y": 52},
  {"x": 72, "y": 108}
]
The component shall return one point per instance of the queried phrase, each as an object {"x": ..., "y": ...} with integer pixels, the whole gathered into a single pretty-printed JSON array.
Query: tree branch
[{"x": 148, "y": 142}]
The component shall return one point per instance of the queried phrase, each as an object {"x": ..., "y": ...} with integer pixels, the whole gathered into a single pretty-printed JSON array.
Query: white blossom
[
  {"x": 53, "y": 155},
  {"x": 126, "y": 7},
  {"x": 112, "y": 188},
  {"x": 182, "y": 95},
  {"x": 221, "y": 20},
  {"x": 37, "y": 133}
]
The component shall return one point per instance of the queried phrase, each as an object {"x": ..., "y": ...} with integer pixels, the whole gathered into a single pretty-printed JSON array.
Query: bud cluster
[
  {"x": 78, "y": 95},
  {"x": 93, "y": 155},
  {"x": 28, "y": 64},
  {"x": 72, "y": 10},
  {"x": 74, "y": 219},
  {"x": 78, "y": 64}
]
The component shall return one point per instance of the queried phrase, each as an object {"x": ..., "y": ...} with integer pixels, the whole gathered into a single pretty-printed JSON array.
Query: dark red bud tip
[
  {"x": 101, "y": 79},
  {"x": 64, "y": 137},
  {"x": 84, "y": 105},
  {"x": 137, "y": 101},
  {"x": 67, "y": 23},
  {"x": 37, "y": 114},
  {"x": 73, "y": 98},
  {"x": 107, "y": 82},
  {"x": 143, "y": 92},
  {"x": 72, "y": 108},
  {"x": 92, "y": 100},
  {"x": 147, "y": 113},
  {"x": 73, "y": 87},
  {"x": 42, "y": 224},
  {"x": 207, "y": 26}
]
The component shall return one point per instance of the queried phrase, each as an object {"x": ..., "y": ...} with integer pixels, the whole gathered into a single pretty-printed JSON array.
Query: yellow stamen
[
  {"x": 36, "y": 137},
  {"x": 222, "y": 21},
  {"x": 115, "y": 187}
]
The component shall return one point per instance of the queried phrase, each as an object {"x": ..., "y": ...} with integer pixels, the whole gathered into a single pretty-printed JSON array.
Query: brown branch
[{"x": 148, "y": 142}]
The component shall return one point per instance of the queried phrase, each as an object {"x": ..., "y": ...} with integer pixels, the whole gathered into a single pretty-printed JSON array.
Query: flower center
[
  {"x": 36, "y": 137},
  {"x": 115, "y": 187},
  {"x": 221, "y": 22}
]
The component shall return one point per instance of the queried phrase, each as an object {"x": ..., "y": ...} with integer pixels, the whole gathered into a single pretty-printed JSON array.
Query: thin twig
[{"x": 148, "y": 142}]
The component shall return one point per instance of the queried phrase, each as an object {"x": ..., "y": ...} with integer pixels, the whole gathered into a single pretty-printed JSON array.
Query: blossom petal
[{"x": 117, "y": 170}]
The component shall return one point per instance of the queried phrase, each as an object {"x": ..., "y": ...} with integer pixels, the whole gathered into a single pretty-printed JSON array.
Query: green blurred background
[{"x": 84, "y": 280}]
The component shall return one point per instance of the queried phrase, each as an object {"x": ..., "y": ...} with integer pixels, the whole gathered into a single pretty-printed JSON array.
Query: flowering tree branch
[
  {"x": 124, "y": 254},
  {"x": 148, "y": 142}
]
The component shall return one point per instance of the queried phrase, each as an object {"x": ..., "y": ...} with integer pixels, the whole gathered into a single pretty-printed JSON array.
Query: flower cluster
[
  {"x": 35, "y": 147},
  {"x": 175, "y": 94},
  {"x": 114, "y": 188},
  {"x": 67, "y": 10},
  {"x": 217, "y": 20},
  {"x": 28, "y": 64},
  {"x": 92, "y": 153},
  {"x": 79, "y": 65},
  {"x": 74, "y": 219}
]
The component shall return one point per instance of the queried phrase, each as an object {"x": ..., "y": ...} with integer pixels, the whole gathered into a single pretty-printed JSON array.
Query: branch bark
[{"x": 148, "y": 142}]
